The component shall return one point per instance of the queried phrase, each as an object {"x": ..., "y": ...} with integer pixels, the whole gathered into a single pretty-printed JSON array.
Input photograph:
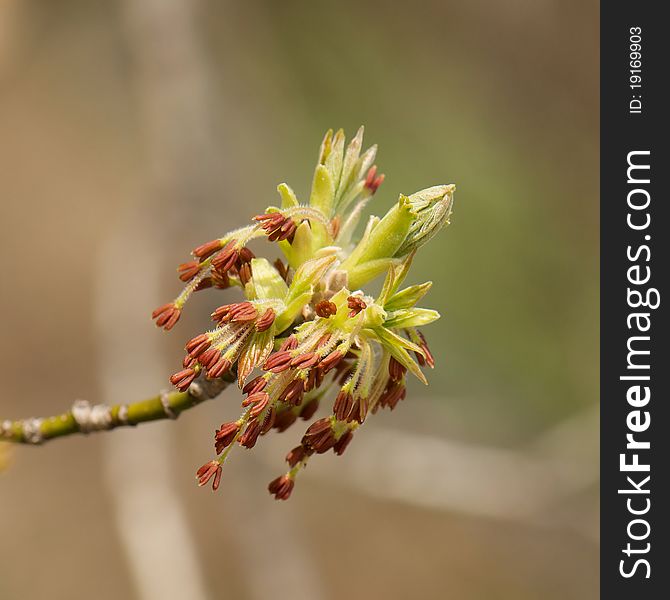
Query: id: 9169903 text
[{"x": 635, "y": 69}]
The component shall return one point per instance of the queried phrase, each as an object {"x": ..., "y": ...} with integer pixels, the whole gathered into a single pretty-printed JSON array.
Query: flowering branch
[
  {"x": 305, "y": 327},
  {"x": 84, "y": 417}
]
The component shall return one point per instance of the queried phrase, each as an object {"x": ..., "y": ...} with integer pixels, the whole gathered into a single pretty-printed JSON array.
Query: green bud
[{"x": 432, "y": 208}]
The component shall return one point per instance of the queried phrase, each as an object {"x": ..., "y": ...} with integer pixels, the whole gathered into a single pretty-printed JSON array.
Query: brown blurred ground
[{"x": 500, "y": 98}]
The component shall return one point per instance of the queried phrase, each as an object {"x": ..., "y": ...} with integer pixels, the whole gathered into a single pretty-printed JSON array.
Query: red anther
[
  {"x": 220, "y": 280},
  {"x": 319, "y": 436},
  {"x": 255, "y": 385},
  {"x": 298, "y": 454},
  {"x": 225, "y": 259},
  {"x": 183, "y": 379},
  {"x": 341, "y": 444},
  {"x": 393, "y": 393},
  {"x": 358, "y": 411},
  {"x": 311, "y": 382},
  {"x": 277, "y": 362},
  {"x": 377, "y": 182},
  {"x": 343, "y": 405},
  {"x": 424, "y": 346},
  {"x": 209, "y": 357},
  {"x": 292, "y": 393},
  {"x": 281, "y": 268},
  {"x": 323, "y": 340},
  {"x": 305, "y": 361},
  {"x": 189, "y": 361},
  {"x": 242, "y": 312},
  {"x": 373, "y": 181},
  {"x": 198, "y": 345},
  {"x": 244, "y": 273},
  {"x": 259, "y": 407},
  {"x": 220, "y": 367},
  {"x": 246, "y": 255},
  {"x": 166, "y": 316},
  {"x": 207, "y": 249},
  {"x": 224, "y": 436},
  {"x": 290, "y": 343},
  {"x": 207, "y": 471},
  {"x": 319, "y": 427},
  {"x": 258, "y": 402},
  {"x": 250, "y": 435},
  {"x": 203, "y": 284},
  {"x": 281, "y": 487},
  {"x": 255, "y": 398},
  {"x": 266, "y": 320},
  {"x": 269, "y": 420},
  {"x": 330, "y": 361},
  {"x": 277, "y": 226},
  {"x": 221, "y": 313},
  {"x": 188, "y": 270},
  {"x": 325, "y": 309},
  {"x": 396, "y": 370},
  {"x": 356, "y": 305},
  {"x": 370, "y": 176}
]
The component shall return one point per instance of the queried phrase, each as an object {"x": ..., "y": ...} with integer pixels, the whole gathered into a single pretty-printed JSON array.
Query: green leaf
[
  {"x": 335, "y": 158},
  {"x": 390, "y": 232},
  {"x": 254, "y": 353},
  {"x": 288, "y": 197},
  {"x": 411, "y": 317},
  {"x": 395, "y": 277},
  {"x": 267, "y": 281},
  {"x": 292, "y": 310},
  {"x": 397, "y": 346},
  {"x": 309, "y": 274},
  {"x": 324, "y": 151},
  {"x": 323, "y": 190},
  {"x": 361, "y": 274},
  {"x": 302, "y": 247},
  {"x": 350, "y": 159},
  {"x": 407, "y": 297},
  {"x": 380, "y": 240},
  {"x": 355, "y": 185}
]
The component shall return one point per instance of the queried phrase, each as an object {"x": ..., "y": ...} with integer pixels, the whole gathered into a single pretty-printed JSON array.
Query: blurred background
[{"x": 132, "y": 131}]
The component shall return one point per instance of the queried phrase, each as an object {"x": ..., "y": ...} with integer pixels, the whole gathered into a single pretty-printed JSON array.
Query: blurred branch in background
[{"x": 169, "y": 82}]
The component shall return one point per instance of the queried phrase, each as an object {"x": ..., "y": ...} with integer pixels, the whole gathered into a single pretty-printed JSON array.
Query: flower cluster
[{"x": 306, "y": 328}]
